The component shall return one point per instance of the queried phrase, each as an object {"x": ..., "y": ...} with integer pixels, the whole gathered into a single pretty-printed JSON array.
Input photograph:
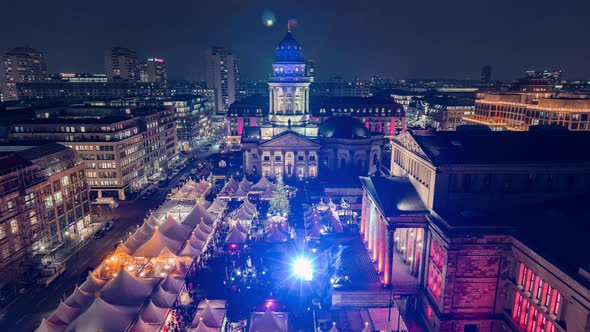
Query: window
[
  {"x": 312, "y": 158},
  {"x": 14, "y": 226},
  {"x": 2, "y": 232},
  {"x": 300, "y": 158},
  {"x": 277, "y": 158},
  {"x": 5, "y": 252}
]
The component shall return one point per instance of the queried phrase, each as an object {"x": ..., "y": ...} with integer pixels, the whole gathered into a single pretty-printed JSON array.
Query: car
[
  {"x": 107, "y": 226},
  {"x": 99, "y": 233},
  {"x": 145, "y": 196},
  {"x": 194, "y": 171},
  {"x": 203, "y": 149},
  {"x": 175, "y": 172},
  {"x": 170, "y": 177}
]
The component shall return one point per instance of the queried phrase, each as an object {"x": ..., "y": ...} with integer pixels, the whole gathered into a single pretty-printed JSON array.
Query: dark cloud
[{"x": 395, "y": 38}]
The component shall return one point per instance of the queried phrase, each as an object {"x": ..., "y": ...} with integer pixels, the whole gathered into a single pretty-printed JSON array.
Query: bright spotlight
[{"x": 302, "y": 269}]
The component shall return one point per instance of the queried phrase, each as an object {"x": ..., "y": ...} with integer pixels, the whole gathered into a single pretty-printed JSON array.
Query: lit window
[{"x": 13, "y": 226}]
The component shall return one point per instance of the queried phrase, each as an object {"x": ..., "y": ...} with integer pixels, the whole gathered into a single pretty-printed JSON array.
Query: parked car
[
  {"x": 203, "y": 149},
  {"x": 108, "y": 225},
  {"x": 99, "y": 233},
  {"x": 175, "y": 172}
]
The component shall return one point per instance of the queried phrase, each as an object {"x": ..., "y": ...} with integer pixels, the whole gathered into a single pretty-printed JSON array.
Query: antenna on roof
[{"x": 291, "y": 23}]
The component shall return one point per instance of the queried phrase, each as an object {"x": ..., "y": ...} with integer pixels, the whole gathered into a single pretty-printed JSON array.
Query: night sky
[{"x": 397, "y": 39}]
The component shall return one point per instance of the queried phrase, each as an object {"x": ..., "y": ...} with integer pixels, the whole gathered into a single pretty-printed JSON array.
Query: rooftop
[
  {"x": 84, "y": 120},
  {"x": 492, "y": 147},
  {"x": 393, "y": 195}
]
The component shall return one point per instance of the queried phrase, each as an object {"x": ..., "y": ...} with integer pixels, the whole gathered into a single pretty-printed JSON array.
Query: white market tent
[
  {"x": 94, "y": 318},
  {"x": 64, "y": 314},
  {"x": 209, "y": 316},
  {"x": 235, "y": 236},
  {"x": 269, "y": 321},
  {"x": 141, "y": 326},
  {"x": 47, "y": 326},
  {"x": 127, "y": 289}
]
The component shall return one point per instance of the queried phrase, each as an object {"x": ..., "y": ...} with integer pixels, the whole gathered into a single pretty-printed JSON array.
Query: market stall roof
[
  {"x": 201, "y": 327},
  {"x": 153, "y": 314},
  {"x": 64, "y": 314},
  {"x": 274, "y": 235},
  {"x": 239, "y": 226},
  {"x": 92, "y": 284},
  {"x": 333, "y": 328},
  {"x": 141, "y": 326},
  {"x": 199, "y": 214},
  {"x": 174, "y": 230},
  {"x": 196, "y": 242},
  {"x": 47, "y": 326},
  {"x": 268, "y": 321},
  {"x": 235, "y": 236},
  {"x": 152, "y": 221},
  {"x": 262, "y": 185},
  {"x": 217, "y": 206},
  {"x": 171, "y": 284},
  {"x": 154, "y": 246},
  {"x": 127, "y": 289},
  {"x": 163, "y": 298},
  {"x": 189, "y": 250},
  {"x": 215, "y": 304},
  {"x": 244, "y": 215},
  {"x": 316, "y": 230},
  {"x": 79, "y": 298},
  {"x": 103, "y": 316},
  {"x": 211, "y": 317}
]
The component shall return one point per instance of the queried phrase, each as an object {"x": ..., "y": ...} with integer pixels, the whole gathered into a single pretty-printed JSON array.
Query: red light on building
[{"x": 233, "y": 246}]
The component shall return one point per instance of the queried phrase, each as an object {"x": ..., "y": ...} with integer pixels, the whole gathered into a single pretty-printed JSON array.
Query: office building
[
  {"x": 553, "y": 76},
  {"x": 45, "y": 206},
  {"x": 78, "y": 78},
  {"x": 20, "y": 65},
  {"x": 339, "y": 87},
  {"x": 222, "y": 76},
  {"x": 122, "y": 64},
  {"x": 156, "y": 71},
  {"x": 121, "y": 147}
]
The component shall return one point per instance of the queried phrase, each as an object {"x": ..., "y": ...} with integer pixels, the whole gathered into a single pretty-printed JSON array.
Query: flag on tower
[{"x": 291, "y": 24}]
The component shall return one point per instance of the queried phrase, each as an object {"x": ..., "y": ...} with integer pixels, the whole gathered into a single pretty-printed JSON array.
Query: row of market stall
[
  {"x": 136, "y": 287},
  {"x": 241, "y": 190}
]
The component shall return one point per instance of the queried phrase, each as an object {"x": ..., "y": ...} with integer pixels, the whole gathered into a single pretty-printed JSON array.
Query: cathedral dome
[
  {"x": 289, "y": 50},
  {"x": 343, "y": 127}
]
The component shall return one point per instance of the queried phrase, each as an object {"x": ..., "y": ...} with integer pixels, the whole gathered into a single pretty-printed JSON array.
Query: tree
[{"x": 279, "y": 201}]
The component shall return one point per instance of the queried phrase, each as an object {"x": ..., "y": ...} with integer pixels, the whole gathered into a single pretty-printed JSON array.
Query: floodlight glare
[{"x": 302, "y": 269}]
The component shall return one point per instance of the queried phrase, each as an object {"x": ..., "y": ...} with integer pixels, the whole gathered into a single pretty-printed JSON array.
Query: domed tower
[{"x": 289, "y": 85}]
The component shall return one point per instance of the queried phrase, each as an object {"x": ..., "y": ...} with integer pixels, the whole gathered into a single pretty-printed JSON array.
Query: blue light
[{"x": 302, "y": 269}]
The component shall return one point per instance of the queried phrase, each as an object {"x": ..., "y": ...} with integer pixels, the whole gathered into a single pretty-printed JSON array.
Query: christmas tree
[{"x": 279, "y": 202}]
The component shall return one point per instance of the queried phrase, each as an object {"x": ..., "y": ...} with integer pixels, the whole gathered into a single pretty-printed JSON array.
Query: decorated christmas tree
[{"x": 279, "y": 201}]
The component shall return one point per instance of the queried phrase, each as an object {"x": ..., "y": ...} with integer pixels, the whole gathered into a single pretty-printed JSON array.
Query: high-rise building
[
  {"x": 21, "y": 64},
  {"x": 222, "y": 76},
  {"x": 122, "y": 64},
  {"x": 486, "y": 74},
  {"x": 156, "y": 70}
]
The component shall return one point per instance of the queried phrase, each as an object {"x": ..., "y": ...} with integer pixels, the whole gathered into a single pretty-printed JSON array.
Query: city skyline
[{"x": 408, "y": 38}]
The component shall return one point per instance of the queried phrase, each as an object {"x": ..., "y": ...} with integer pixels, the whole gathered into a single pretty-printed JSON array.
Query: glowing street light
[{"x": 302, "y": 269}]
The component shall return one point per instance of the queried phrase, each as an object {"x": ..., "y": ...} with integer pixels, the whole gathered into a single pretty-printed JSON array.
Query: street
[{"x": 27, "y": 312}]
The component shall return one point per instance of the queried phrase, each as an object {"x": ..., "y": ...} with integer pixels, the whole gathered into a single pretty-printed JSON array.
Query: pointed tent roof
[
  {"x": 198, "y": 213},
  {"x": 153, "y": 247},
  {"x": 141, "y": 326},
  {"x": 268, "y": 322},
  {"x": 189, "y": 250},
  {"x": 316, "y": 230},
  {"x": 153, "y": 314},
  {"x": 235, "y": 236},
  {"x": 201, "y": 327},
  {"x": 64, "y": 314},
  {"x": 217, "y": 206},
  {"x": 200, "y": 234},
  {"x": 171, "y": 284},
  {"x": 244, "y": 215},
  {"x": 334, "y": 328},
  {"x": 262, "y": 184},
  {"x": 211, "y": 317},
  {"x": 274, "y": 236},
  {"x": 205, "y": 228},
  {"x": 196, "y": 242},
  {"x": 126, "y": 289},
  {"x": 239, "y": 226},
  {"x": 214, "y": 304},
  {"x": 103, "y": 316},
  {"x": 92, "y": 284},
  {"x": 267, "y": 194},
  {"x": 151, "y": 221},
  {"x": 122, "y": 248},
  {"x": 146, "y": 228},
  {"x": 79, "y": 298},
  {"x": 163, "y": 298},
  {"x": 174, "y": 230},
  {"x": 47, "y": 326},
  {"x": 139, "y": 236}
]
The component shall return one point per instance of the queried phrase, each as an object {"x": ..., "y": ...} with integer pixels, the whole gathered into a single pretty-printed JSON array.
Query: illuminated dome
[
  {"x": 343, "y": 127},
  {"x": 289, "y": 50}
]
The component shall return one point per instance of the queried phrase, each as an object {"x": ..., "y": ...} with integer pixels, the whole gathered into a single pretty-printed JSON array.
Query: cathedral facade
[{"x": 283, "y": 138}]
